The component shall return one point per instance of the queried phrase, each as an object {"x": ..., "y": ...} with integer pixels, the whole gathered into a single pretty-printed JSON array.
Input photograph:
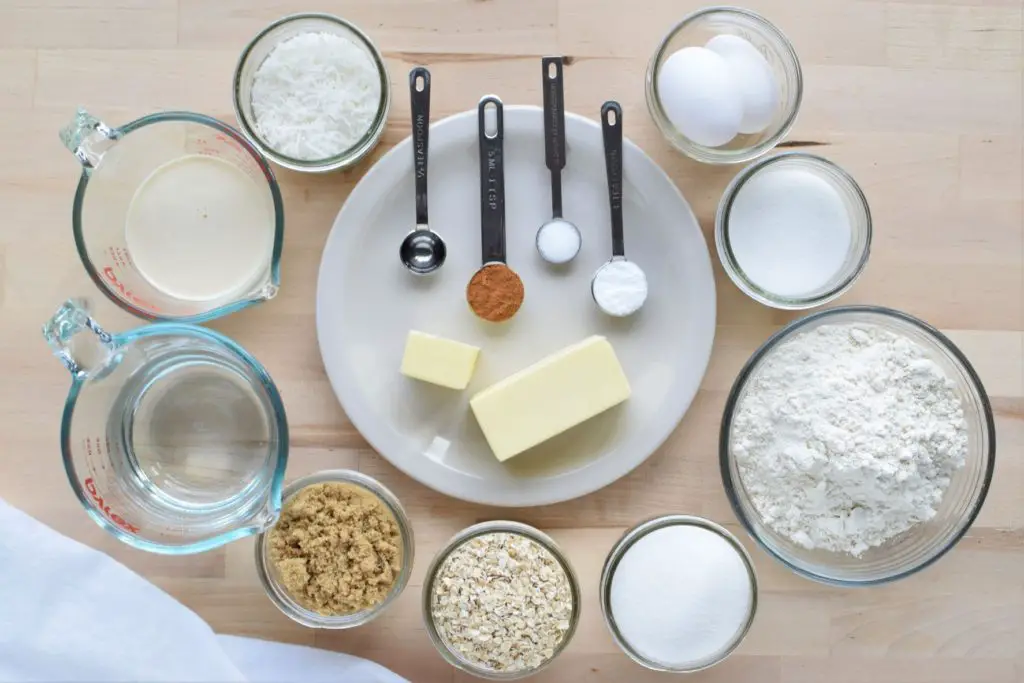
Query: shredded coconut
[
  {"x": 315, "y": 95},
  {"x": 847, "y": 437}
]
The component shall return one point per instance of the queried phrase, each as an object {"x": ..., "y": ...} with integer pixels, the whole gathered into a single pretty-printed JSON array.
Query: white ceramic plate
[{"x": 367, "y": 303}]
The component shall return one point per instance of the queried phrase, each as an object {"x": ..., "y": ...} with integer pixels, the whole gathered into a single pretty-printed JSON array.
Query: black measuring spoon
[
  {"x": 495, "y": 292},
  {"x": 422, "y": 251}
]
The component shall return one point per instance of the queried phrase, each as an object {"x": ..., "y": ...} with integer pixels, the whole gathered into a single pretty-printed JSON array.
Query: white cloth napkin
[{"x": 70, "y": 613}]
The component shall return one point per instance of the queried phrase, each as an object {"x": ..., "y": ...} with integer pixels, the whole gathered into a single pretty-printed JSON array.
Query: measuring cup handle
[
  {"x": 88, "y": 138},
  {"x": 611, "y": 126},
  {"x": 492, "y": 181},
  {"x": 419, "y": 99},
  {"x": 60, "y": 331},
  {"x": 554, "y": 128}
]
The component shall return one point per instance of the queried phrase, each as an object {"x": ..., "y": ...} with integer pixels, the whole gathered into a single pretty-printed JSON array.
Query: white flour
[{"x": 848, "y": 436}]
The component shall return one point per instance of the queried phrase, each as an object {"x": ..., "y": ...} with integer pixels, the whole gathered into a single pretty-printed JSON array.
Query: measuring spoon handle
[
  {"x": 492, "y": 181},
  {"x": 611, "y": 128},
  {"x": 554, "y": 127},
  {"x": 419, "y": 99}
]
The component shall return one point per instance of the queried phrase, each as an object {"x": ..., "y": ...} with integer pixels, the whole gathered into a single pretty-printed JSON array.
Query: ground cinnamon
[{"x": 495, "y": 292}]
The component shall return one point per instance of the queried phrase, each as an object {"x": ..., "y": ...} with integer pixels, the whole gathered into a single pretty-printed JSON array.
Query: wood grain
[{"x": 920, "y": 99}]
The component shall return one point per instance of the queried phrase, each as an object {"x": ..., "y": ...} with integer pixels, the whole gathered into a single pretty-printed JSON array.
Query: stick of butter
[
  {"x": 438, "y": 360},
  {"x": 550, "y": 396}
]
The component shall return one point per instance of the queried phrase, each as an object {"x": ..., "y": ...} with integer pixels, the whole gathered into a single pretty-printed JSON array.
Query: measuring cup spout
[
  {"x": 268, "y": 515},
  {"x": 61, "y": 332},
  {"x": 88, "y": 138}
]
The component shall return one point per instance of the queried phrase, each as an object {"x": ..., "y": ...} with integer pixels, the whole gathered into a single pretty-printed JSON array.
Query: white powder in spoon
[
  {"x": 620, "y": 287},
  {"x": 681, "y": 596}
]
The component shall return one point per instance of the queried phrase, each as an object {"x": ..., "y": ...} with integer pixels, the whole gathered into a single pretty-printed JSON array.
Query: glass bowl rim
[
  {"x": 713, "y": 155},
  {"x": 498, "y": 526},
  {"x": 622, "y": 546},
  {"x": 309, "y": 618},
  {"x": 346, "y": 158},
  {"x": 735, "y": 273},
  {"x": 725, "y": 458}
]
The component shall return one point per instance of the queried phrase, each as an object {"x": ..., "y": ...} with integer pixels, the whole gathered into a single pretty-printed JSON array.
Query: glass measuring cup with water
[
  {"x": 177, "y": 216},
  {"x": 174, "y": 438}
]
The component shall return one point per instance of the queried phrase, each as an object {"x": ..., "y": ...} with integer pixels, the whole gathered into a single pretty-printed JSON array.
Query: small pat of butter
[
  {"x": 549, "y": 397},
  {"x": 439, "y": 361}
]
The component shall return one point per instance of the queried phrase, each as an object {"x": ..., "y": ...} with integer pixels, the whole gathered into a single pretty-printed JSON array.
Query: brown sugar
[
  {"x": 337, "y": 548},
  {"x": 495, "y": 292}
]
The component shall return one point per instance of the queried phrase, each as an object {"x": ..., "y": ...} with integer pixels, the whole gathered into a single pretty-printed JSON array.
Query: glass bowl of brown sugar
[{"x": 340, "y": 553}]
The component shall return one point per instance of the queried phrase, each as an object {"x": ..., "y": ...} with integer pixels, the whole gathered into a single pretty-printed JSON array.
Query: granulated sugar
[{"x": 681, "y": 596}]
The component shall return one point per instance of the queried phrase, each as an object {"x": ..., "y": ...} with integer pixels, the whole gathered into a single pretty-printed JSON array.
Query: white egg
[
  {"x": 700, "y": 96},
  {"x": 755, "y": 78}
]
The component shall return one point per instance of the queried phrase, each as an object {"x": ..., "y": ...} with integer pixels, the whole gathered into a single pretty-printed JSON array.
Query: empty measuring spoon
[
  {"x": 495, "y": 292},
  {"x": 619, "y": 286},
  {"x": 558, "y": 240},
  {"x": 422, "y": 251}
]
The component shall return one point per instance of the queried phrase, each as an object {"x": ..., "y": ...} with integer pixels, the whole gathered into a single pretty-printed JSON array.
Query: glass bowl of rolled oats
[{"x": 501, "y": 601}]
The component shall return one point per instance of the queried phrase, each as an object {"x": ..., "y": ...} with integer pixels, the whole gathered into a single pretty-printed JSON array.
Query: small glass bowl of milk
[{"x": 793, "y": 231}]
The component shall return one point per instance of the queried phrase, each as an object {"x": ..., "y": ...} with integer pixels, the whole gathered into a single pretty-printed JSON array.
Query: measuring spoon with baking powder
[
  {"x": 495, "y": 292},
  {"x": 558, "y": 240},
  {"x": 619, "y": 286},
  {"x": 422, "y": 251}
]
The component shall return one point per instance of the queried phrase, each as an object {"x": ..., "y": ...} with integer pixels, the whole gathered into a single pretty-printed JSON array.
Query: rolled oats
[{"x": 502, "y": 602}]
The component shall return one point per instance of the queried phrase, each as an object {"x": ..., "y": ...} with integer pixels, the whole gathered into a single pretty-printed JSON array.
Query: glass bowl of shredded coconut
[
  {"x": 857, "y": 445},
  {"x": 312, "y": 92}
]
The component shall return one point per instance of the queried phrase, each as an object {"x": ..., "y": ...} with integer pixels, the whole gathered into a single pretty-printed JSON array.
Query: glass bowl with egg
[
  {"x": 836, "y": 551},
  {"x": 312, "y": 92},
  {"x": 724, "y": 86},
  {"x": 341, "y": 552}
]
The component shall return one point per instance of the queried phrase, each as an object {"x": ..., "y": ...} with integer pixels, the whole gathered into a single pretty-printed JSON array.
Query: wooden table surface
[{"x": 920, "y": 99}]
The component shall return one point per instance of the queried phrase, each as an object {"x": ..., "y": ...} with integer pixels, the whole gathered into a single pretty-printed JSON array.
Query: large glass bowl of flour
[{"x": 857, "y": 445}]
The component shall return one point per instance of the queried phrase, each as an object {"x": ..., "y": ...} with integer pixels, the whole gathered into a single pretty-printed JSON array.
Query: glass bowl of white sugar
[
  {"x": 678, "y": 593},
  {"x": 857, "y": 445},
  {"x": 312, "y": 92},
  {"x": 793, "y": 231}
]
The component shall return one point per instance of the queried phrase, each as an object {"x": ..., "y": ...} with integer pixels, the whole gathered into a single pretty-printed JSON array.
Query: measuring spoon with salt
[
  {"x": 558, "y": 240},
  {"x": 619, "y": 286},
  {"x": 422, "y": 251},
  {"x": 495, "y": 292}
]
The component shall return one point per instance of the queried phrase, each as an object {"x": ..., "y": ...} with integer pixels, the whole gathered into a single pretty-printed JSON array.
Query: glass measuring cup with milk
[
  {"x": 177, "y": 216},
  {"x": 174, "y": 438}
]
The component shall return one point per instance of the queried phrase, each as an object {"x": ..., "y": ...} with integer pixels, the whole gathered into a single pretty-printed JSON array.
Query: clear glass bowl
[
  {"x": 925, "y": 543},
  {"x": 695, "y": 30},
  {"x": 608, "y": 574},
  {"x": 263, "y": 44},
  {"x": 278, "y": 594},
  {"x": 482, "y": 529},
  {"x": 857, "y": 209}
]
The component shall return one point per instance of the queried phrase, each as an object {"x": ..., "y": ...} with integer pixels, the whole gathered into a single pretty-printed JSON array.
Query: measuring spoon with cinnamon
[{"x": 495, "y": 292}]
